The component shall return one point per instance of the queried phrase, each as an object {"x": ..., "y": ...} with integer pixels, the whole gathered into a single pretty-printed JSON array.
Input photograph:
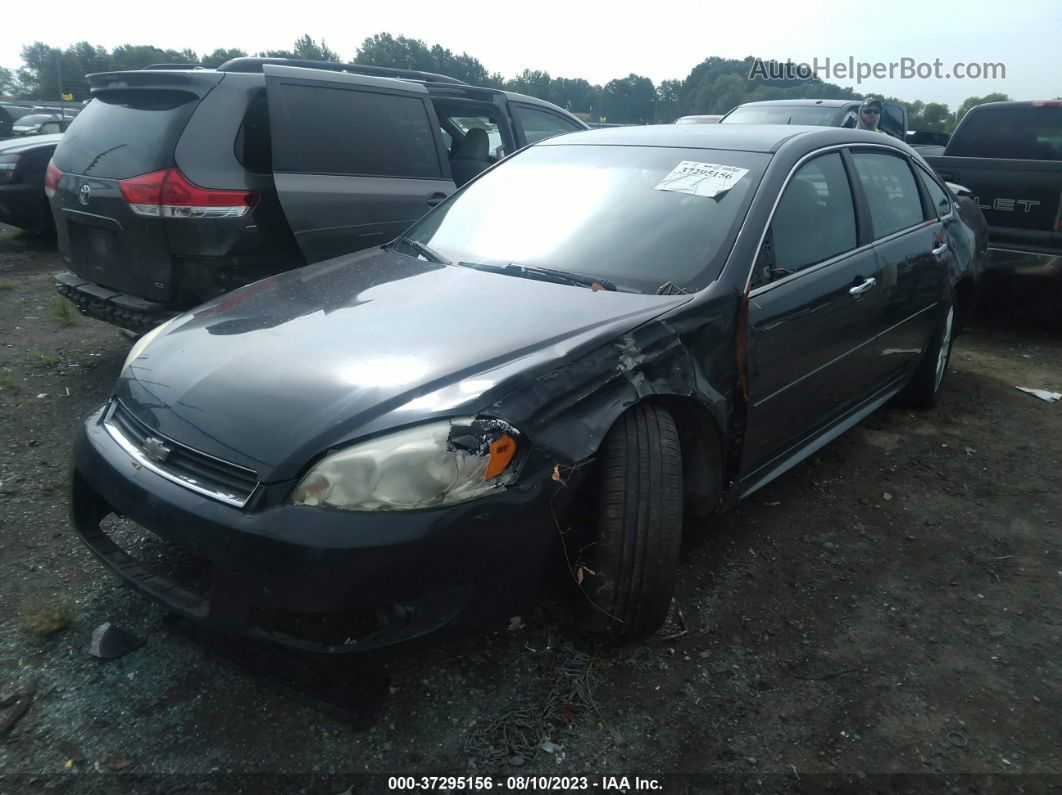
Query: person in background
[{"x": 869, "y": 114}]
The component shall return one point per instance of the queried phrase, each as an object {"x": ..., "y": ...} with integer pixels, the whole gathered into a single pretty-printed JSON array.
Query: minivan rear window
[
  {"x": 126, "y": 133},
  {"x": 1020, "y": 133}
]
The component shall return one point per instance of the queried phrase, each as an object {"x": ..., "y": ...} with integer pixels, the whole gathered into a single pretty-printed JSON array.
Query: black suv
[{"x": 174, "y": 186}]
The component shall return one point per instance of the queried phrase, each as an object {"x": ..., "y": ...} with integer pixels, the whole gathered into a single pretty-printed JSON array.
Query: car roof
[
  {"x": 822, "y": 103},
  {"x": 735, "y": 137}
]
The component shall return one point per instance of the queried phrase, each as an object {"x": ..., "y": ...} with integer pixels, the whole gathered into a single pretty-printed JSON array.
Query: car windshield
[
  {"x": 29, "y": 121},
  {"x": 611, "y": 212},
  {"x": 493, "y": 136},
  {"x": 815, "y": 116}
]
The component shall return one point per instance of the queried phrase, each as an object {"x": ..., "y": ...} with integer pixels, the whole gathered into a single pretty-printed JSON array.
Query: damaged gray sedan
[{"x": 599, "y": 337}]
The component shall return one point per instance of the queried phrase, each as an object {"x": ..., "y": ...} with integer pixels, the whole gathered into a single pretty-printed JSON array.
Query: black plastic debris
[{"x": 109, "y": 642}]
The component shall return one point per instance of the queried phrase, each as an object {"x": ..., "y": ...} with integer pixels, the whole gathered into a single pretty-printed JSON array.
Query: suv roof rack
[
  {"x": 175, "y": 66},
  {"x": 256, "y": 64}
]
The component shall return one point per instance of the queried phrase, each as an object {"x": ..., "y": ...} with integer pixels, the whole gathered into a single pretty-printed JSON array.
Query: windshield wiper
[
  {"x": 544, "y": 274},
  {"x": 670, "y": 288},
  {"x": 421, "y": 249}
]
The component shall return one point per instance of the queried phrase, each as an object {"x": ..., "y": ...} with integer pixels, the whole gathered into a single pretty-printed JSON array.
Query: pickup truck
[{"x": 1009, "y": 156}]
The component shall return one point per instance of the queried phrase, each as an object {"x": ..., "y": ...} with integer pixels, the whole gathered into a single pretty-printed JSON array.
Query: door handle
[
  {"x": 862, "y": 287},
  {"x": 436, "y": 199},
  {"x": 938, "y": 252}
]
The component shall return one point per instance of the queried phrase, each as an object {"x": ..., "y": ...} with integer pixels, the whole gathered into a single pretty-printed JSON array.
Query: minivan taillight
[
  {"x": 169, "y": 194},
  {"x": 52, "y": 175}
]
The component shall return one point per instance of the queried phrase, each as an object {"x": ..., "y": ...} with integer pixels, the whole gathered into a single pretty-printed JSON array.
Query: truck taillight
[
  {"x": 169, "y": 194},
  {"x": 52, "y": 175}
]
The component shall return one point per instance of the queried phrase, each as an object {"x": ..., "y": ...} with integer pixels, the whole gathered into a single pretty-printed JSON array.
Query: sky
[{"x": 600, "y": 41}]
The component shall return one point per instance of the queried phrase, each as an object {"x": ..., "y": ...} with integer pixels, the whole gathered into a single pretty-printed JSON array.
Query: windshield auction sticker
[{"x": 701, "y": 179}]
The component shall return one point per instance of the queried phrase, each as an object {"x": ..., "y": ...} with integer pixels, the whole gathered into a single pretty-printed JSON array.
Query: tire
[
  {"x": 633, "y": 557},
  {"x": 924, "y": 389}
]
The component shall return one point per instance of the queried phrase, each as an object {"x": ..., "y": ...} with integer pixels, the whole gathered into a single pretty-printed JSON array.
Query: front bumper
[{"x": 315, "y": 579}]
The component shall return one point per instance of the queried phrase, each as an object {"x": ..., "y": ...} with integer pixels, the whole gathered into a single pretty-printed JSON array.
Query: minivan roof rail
[
  {"x": 175, "y": 66},
  {"x": 256, "y": 64}
]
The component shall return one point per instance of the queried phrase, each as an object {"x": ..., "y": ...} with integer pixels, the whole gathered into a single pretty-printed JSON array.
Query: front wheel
[
  {"x": 925, "y": 387},
  {"x": 632, "y": 560}
]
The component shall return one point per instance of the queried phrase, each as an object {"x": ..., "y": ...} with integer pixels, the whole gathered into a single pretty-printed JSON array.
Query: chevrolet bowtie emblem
[{"x": 155, "y": 449}]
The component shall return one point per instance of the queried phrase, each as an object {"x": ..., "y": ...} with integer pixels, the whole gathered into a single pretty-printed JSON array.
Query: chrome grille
[{"x": 197, "y": 471}]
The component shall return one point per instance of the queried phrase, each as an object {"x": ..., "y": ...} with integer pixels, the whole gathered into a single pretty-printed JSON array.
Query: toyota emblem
[{"x": 84, "y": 194}]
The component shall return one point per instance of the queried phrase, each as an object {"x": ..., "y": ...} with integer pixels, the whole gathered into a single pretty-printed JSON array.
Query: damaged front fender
[{"x": 684, "y": 356}]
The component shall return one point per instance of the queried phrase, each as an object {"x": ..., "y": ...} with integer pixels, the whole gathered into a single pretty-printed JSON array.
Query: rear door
[
  {"x": 356, "y": 159},
  {"x": 913, "y": 254}
]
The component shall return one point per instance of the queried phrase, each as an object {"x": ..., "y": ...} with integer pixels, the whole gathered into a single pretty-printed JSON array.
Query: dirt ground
[{"x": 885, "y": 617}]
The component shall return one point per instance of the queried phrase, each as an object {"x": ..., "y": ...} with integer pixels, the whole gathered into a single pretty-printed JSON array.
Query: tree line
[{"x": 713, "y": 86}]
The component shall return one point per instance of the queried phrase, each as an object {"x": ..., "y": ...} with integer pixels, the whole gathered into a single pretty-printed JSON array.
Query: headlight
[
  {"x": 141, "y": 344},
  {"x": 436, "y": 464}
]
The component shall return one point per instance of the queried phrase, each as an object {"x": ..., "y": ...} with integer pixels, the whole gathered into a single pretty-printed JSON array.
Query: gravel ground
[{"x": 885, "y": 616}]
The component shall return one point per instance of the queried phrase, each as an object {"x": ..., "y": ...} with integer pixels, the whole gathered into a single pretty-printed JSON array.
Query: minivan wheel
[
  {"x": 925, "y": 387},
  {"x": 632, "y": 559}
]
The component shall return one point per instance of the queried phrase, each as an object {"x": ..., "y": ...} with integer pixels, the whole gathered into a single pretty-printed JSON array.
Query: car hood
[{"x": 271, "y": 375}]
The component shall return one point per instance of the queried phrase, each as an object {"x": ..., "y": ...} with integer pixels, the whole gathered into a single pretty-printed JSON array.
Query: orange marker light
[{"x": 502, "y": 451}]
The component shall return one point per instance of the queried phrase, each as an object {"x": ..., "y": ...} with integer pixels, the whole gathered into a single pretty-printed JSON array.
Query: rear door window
[
  {"x": 536, "y": 124},
  {"x": 353, "y": 132},
  {"x": 938, "y": 197},
  {"x": 456, "y": 120},
  {"x": 126, "y": 133},
  {"x": 489, "y": 125},
  {"x": 891, "y": 192}
]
